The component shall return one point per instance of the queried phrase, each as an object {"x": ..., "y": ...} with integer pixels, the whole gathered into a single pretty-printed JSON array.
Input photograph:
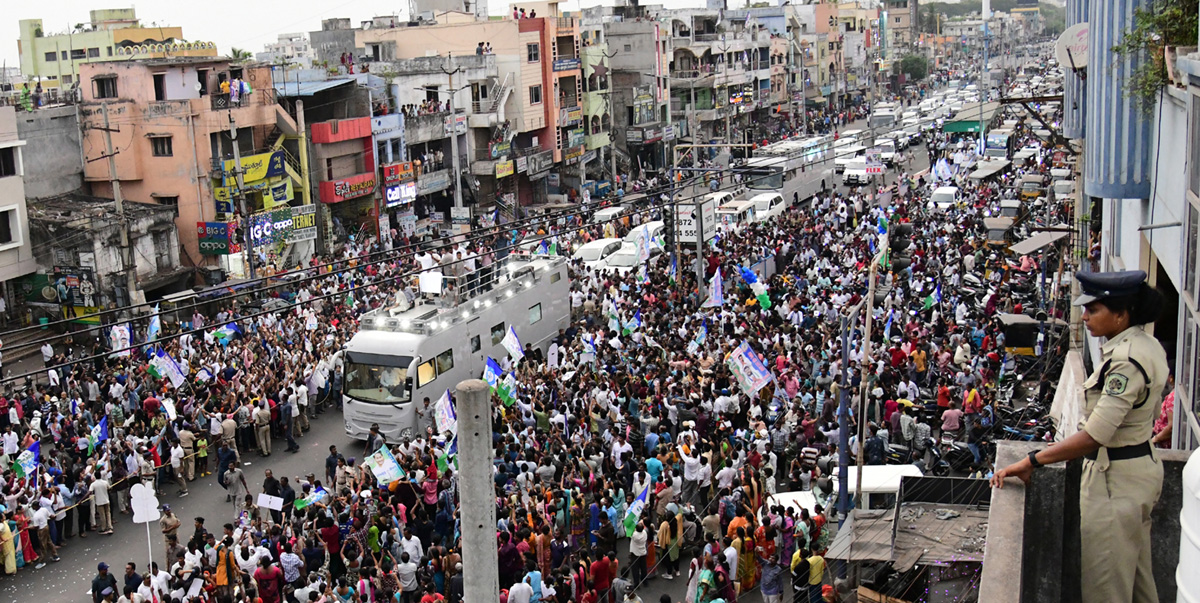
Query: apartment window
[
  {"x": 79, "y": 54},
  {"x": 535, "y": 95},
  {"x": 160, "y": 86},
  {"x": 897, "y": 19},
  {"x": 162, "y": 146},
  {"x": 109, "y": 49},
  {"x": 66, "y": 78},
  {"x": 105, "y": 87},
  {"x": 9, "y": 225},
  {"x": 168, "y": 201},
  {"x": 64, "y": 55},
  {"x": 93, "y": 53},
  {"x": 8, "y": 162},
  {"x": 533, "y": 52},
  {"x": 51, "y": 57}
]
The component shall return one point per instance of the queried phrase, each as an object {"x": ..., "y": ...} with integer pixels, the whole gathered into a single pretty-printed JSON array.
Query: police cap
[{"x": 1101, "y": 285}]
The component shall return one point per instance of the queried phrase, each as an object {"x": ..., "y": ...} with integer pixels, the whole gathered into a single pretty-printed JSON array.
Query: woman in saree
[
  {"x": 706, "y": 583},
  {"x": 8, "y": 548},
  {"x": 747, "y": 568},
  {"x": 25, "y": 553}
]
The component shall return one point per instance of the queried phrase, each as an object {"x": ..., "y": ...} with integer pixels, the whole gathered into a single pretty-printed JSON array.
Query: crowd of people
[{"x": 624, "y": 429}]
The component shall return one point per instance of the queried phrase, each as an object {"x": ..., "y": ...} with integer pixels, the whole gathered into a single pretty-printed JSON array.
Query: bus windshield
[
  {"x": 377, "y": 379},
  {"x": 764, "y": 179}
]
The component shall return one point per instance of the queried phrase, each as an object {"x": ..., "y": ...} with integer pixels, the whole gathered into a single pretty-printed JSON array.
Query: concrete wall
[
  {"x": 16, "y": 256},
  {"x": 52, "y": 153}
]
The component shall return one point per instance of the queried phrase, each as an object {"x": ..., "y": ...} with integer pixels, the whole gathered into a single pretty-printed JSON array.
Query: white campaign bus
[
  {"x": 795, "y": 169},
  {"x": 404, "y": 353}
]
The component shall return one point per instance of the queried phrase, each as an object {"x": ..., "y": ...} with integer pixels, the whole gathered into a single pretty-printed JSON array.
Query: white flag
[{"x": 513, "y": 345}]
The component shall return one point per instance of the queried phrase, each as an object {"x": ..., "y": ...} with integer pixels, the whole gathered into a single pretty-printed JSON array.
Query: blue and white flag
[
  {"x": 27, "y": 462},
  {"x": 226, "y": 333},
  {"x": 491, "y": 373},
  {"x": 155, "y": 326},
  {"x": 165, "y": 367},
  {"x": 635, "y": 510},
  {"x": 701, "y": 335},
  {"x": 444, "y": 416},
  {"x": 513, "y": 345},
  {"x": 749, "y": 369},
  {"x": 634, "y": 323}
]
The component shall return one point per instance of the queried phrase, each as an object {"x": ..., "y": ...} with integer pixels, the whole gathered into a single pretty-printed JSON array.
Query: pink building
[{"x": 171, "y": 122}]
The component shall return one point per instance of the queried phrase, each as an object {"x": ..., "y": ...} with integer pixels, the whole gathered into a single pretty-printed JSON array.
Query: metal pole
[
  {"x": 237, "y": 172},
  {"x": 477, "y": 491},
  {"x": 848, "y": 322},
  {"x": 127, "y": 265},
  {"x": 866, "y": 366},
  {"x": 987, "y": 7},
  {"x": 454, "y": 140}
]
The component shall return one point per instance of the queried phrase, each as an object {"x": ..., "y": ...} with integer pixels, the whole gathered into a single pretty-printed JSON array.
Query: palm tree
[{"x": 238, "y": 54}]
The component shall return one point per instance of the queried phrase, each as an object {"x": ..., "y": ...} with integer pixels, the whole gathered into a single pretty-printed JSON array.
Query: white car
[
  {"x": 594, "y": 254},
  {"x": 655, "y": 228},
  {"x": 856, "y": 173},
  {"x": 626, "y": 258}
]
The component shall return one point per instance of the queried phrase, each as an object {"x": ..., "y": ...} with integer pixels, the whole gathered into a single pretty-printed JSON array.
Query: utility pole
[
  {"x": 843, "y": 416},
  {"x": 866, "y": 367},
  {"x": 474, "y": 404},
  {"x": 453, "y": 134},
  {"x": 728, "y": 104},
  {"x": 241, "y": 196},
  {"x": 127, "y": 265}
]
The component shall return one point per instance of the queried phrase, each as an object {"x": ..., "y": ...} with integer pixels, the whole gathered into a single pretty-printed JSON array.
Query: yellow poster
[
  {"x": 279, "y": 193},
  {"x": 256, "y": 167}
]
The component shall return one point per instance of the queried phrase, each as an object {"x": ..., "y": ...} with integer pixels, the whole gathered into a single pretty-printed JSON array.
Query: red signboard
[
  {"x": 395, "y": 173},
  {"x": 341, "y": 189}
]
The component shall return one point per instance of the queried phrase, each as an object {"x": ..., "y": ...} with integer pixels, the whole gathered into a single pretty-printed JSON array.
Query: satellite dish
[{"x": 197, "y": 86}]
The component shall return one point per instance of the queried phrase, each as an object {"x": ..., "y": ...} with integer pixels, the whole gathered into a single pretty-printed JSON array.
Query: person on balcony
[{"x": 1122, "y": 476}]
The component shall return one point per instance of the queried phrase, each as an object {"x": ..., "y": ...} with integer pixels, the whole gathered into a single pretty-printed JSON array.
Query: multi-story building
[
  {"x": 901, "y": 26},
  {"x": 289, "y": 48},
  {"x": 725, "y": 68},
  {"x": 177, "y": 126},
  {"x": 16, "y": 249},
  {"x": 54, "y": 59},
  {"x": 534, "y": 104}
]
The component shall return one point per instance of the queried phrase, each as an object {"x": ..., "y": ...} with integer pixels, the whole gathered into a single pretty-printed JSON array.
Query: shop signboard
[
  {"x": 224, "y": 207},
  {"x": 304, "y": 223},
  {"x": 589, "y": 156},
  {"x": 270, "y": 227},
  {"x": 460, "y": 216},
  {"x": 504, "y": 168},
  {"x": 408, "y": 223},
  {"x": 668, "y": 132},
  {"x": 522, "y": 164},
  {"x": 436, "y": 217},
  {"x": 457, "y": 122},
  {"x": 633, "y": 136},
  {"x": 651, "y": 135},
  {"x": 391, "y": 196},
  {"x": 570, "y": 116},
  {"x": 335, "y": 191},
  {"x": 566, "y": 64},
  {"x": 214, "y": 238},
  {"x": 540, "y": 162},
  {"x": 553, "y": 180},
  {"x": 434, "y": 182},
  {"x": 874, "y": 162},
  {"x": 255, "y": 167},
  {"x": 280, "y": 193},
  {"x": 500, "y": 149},
  {"x": 573, "y": 154},
  {"x": 395, "y": 173}
]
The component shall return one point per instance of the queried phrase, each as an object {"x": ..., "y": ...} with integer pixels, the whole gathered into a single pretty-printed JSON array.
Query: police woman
[{"x": 1122, "y": 476}]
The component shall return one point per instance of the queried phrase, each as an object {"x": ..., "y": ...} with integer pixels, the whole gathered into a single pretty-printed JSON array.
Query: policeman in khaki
[{"x": 1122, "y": 476}]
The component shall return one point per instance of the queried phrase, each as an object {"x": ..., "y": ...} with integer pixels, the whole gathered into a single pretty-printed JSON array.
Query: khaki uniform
[
  {"x": 187, "y": 441},
  {"x": 1117, "y": 495},
  {"x": 262, "y": 430}
]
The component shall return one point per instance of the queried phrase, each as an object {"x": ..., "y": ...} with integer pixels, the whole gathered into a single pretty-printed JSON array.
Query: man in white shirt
[
  {"x": 177, "y": 455},
  {"x": 411, "y": 544},
  {"x": 47, "y": 353},
  {"x": 41, "y": 523},
  {"x": 99, "y": 490},
  {"x": 619, "y": 448}
]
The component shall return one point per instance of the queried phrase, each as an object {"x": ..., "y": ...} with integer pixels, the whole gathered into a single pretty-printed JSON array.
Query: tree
[
  {"x": 914, "y": 66},
  {"x": 238, "y": 54},
  {"x": 1162, "y": 24}
]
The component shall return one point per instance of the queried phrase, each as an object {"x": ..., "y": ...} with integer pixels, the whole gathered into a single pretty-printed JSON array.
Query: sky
[{"x": 246, "y": 24}]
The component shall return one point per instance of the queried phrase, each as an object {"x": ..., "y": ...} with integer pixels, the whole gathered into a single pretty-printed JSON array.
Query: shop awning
[
  {"x": 292, "y": 89},
  {"x": 865, "y": 536},
  {"x": 1037, "y": 242},
  {"x": 973, "y": 117}
]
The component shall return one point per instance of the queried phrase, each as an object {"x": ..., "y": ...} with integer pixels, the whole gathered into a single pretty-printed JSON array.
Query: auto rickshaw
[
  {"x": 1021, "y": 332},
  {"x": 998, "y": 231},
  {"x": 1010, "y": 208},
  {"x": 1031, "y": 186}
]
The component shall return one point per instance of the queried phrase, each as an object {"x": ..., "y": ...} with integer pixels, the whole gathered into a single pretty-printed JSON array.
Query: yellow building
[{"x": 53, "y": 59}]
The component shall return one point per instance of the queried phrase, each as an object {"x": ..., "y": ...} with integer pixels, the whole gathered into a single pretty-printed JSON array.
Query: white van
[
  {"x": 853, "y": 135},
  {"x": 880, "y": 487},
  {"x": 719, "y": 198},
  {"x": 596, "y": 252},
  {"x": 735, "y": 215},
  {"x": 845, "y": 155},
  {"x": 944, "y": 197},
  {"x": 768, "y": 205},
  {"x": 856, "y": 173},
  {"x": 607, "y": 214}
]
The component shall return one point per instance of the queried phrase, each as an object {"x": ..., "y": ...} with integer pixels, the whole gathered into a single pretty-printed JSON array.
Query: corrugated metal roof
[{"x": 308, "y": 88}]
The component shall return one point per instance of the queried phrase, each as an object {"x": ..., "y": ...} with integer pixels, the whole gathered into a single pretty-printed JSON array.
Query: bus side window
[
  {"x": 425, "y": 373},
  {"x": 498, "y": 333},
  {"x": 445, "y": 361},
  {"x": 475, "y": 344}
]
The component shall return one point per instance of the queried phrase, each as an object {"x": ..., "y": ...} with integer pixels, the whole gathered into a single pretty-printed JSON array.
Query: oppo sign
[{"x": 270, "y": 227}]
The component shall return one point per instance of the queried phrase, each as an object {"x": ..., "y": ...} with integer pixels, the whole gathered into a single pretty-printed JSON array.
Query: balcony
[
  {"x": 707, "y": 37},
  {"x": 224, "y": 101},
  {"x": 563, "y": 26},
  {"x": 424, "y": 128}
]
